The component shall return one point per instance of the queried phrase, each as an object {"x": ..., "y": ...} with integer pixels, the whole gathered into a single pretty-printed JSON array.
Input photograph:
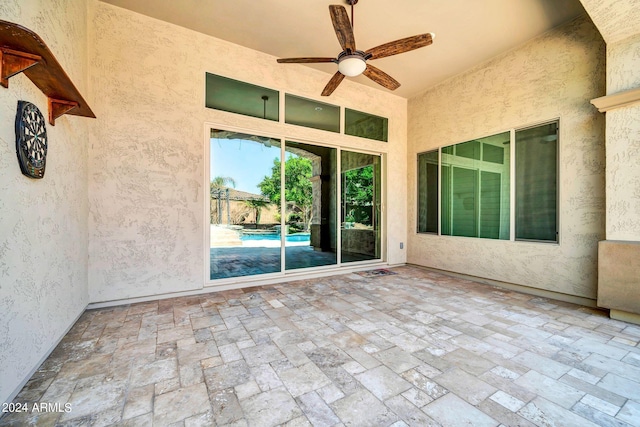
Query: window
[
  {"x": 312, "y": 114},
  {"x": 428, "y": 193},
  {"x": 365, "y": 125},
  {"x": 234, "y": 96},
  {"x": 537, "y": 183},
  {"x": 475, "y": 192},
  {"x": 474, "y": 187}
]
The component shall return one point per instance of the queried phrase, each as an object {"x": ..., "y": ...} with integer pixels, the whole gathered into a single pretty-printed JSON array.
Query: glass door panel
[
  {"x": 361, "y": 201},
  {"x": 244, "y": 214},
  {"x": 310, "y": 190}
]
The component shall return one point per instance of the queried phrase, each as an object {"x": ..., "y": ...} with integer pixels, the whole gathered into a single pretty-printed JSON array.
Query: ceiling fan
[{"x": 352, "y": 62}]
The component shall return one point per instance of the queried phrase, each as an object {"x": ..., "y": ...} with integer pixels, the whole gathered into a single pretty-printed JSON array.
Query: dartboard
[{"x": 31, "y": 140}]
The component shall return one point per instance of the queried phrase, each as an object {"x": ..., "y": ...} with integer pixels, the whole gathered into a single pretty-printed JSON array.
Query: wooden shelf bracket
[
  {"x": 14, "y": 62},
  {"x": 59, "y": 107}
]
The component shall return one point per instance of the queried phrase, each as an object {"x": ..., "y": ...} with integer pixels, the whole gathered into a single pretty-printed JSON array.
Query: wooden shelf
[{"x": 23, "y": 51}]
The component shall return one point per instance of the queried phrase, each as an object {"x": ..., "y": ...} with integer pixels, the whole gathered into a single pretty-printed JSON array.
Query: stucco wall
[
  {"x": 43, "y": 223},
  {"x": 617, "y": 20},
  {"x": 146, "y": 161},
  {"x": 623, "y": 143},
  {"x": 554, "y": 75}
]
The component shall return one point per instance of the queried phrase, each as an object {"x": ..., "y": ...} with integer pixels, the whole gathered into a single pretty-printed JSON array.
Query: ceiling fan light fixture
[
  {"x": 353, "y": 62},
  {"x": 352, "y": 65}
]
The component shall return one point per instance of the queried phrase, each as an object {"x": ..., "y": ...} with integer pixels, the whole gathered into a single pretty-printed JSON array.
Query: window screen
[
  {"x": 537, "y": 183},
  {"x": 428, "y": 192}
]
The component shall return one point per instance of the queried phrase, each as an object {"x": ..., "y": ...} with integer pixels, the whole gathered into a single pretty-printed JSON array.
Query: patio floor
[{"x": 415, "y": 348}]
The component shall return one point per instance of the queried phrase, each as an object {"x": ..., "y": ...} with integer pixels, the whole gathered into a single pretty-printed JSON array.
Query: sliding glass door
[
  {"x": 278, "y": 208},
  {"x": 245, "y": 219},
  {"x": 361, "y": 201},
  {"x": 310, "y": 201}
]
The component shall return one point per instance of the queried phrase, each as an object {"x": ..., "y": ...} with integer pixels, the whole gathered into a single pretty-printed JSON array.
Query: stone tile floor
[{"x": 416, "y": 348}]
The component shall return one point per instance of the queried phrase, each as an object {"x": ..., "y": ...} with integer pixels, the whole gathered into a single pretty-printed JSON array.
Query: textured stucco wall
[
  {"x": 623, "y": 65},
  {"x": 554, "y": 75},
  {"x": 43, "y": 223},
  {"x": 616, "y": 19},
  {"x": 623, "y": 143},
  {"x": 146, "y": 161},
  {"x": 619, "y": 24}
]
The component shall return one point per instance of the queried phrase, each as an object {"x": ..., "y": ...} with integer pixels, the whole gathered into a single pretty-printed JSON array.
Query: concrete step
[{"x": 222, "y": 236}]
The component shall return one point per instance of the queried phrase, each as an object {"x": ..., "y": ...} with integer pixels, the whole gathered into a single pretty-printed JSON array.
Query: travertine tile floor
[{"x": 416, "y": 348}]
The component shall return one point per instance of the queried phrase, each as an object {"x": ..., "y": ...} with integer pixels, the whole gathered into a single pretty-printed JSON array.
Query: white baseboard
[{"x": 245, "y": 282}]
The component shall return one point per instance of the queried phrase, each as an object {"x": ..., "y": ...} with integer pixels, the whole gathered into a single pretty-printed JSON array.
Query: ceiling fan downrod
[{"x": 352, "y": 3}]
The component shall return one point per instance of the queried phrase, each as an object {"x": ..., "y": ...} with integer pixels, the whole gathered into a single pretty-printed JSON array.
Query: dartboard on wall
[{"x": 31, "y": 140}]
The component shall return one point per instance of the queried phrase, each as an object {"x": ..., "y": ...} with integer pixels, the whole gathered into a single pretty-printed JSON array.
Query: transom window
[{"x": 234, "y": 96}]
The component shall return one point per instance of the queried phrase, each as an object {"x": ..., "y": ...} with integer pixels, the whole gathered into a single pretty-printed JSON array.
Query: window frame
[
  {"x": 283, "y": 137},
  {"x": 512, "y": 184},
  {"x": 557, "y": 239},
  {"x": 438, "y": 173}
]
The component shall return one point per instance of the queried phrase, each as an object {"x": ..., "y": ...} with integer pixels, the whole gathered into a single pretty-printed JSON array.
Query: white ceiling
[{"x": 468, "y": 32}]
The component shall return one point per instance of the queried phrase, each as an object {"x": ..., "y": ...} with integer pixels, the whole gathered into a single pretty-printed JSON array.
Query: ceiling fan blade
[
  {"x": 333, "y": 83},
  {"x": 400, "y": 46},
  {"x": 304, "y": 60},
  {"x": 380, "y": 77},
  {"x": 342, "y": 25}
]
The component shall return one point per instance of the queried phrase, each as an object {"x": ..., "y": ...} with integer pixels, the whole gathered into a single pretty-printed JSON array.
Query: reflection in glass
[
  {"x": 313, "y": 114},
  {"x": 310, "y": 190},
  {"x": 537, "y": 183},
  {"x": 239, "y": 97},
  {"x": 475, "y": 188},
  {"x": 365, "y": 125},
  {"x": 258, "y": 215},
  {"x": 428, "y": 192},
  {"x": 245, "y": 224},
  {"x": 360, "y": 213}
]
